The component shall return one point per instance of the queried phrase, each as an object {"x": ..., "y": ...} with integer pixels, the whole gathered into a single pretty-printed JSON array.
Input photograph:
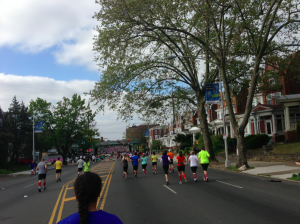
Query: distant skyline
[{"x": 46, "y": 51}]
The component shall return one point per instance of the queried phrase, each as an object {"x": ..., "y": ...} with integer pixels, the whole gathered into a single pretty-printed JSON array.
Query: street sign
[
  {"x": 38, "y": 127},
  {"x": 224, "y": 136},
  {"x": 147, "y": 133},
  {"x": 212, "y": 93}
]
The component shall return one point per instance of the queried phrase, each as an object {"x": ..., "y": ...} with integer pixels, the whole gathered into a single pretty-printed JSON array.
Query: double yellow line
[{"x": 65, "y": 188}]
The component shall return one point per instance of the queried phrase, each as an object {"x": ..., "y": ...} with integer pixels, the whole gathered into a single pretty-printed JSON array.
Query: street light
[
  {"x": 227, "y": 162},
  {"x": 194, "y": 130}
]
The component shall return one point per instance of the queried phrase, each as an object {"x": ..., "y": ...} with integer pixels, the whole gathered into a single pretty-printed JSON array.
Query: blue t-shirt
[
  {"x": 94, "y": 217},
  {"x": 32, "y": 166},
  {"x": 144, "y": 160},
  {"x": 135, "y": 160}
]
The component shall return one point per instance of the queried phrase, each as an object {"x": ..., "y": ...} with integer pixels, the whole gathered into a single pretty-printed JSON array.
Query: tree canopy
[{"x": 67, "y": 122}]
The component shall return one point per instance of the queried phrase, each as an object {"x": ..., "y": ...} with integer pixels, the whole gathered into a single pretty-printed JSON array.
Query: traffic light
[
  {"x": 101, "y": 139},
  {"x": 197, "y": 142},
  {"x": 90, "y": 139},
  {"x": 127, "y": 140}
]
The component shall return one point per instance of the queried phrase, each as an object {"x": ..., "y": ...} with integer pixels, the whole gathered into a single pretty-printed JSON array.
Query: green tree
[
  {"x": 69, "y": 121},
  {"x": 155, "y": 145},
  {"x": 19, "y": 130},
  {"x": 133, "y": 42}
]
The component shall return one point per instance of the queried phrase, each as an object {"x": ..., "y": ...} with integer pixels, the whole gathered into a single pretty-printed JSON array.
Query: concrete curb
[{"x": 274, "y": 178}]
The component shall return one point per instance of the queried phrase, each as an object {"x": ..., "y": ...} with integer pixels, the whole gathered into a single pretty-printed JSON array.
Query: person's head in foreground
[{"x": 87, "y": 188}]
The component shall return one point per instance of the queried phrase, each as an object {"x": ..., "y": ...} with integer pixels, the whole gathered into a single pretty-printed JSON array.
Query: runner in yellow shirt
[
  {"x": 154, "y": 162},
  {"x": 58, "y": 164}
]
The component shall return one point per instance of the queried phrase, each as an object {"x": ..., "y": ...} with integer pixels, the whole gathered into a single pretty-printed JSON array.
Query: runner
[
  {"x": 42, "y": 167},
  {"x": 171, "y": 155},
  {"x": 135, "y": 162},
  {"x": 80, "y": 163},
  {"x": 165, "y": 159},
  {"x": 193, "y": 164},
  {"x": 154, "y": 162},
  {"x": 187, "y": 155},
  {"x": 181, "y": 166},
  {"x": 125, "y": 161},
  {"x": 58, "y": 164},
  {"x": 203, "y": 156},
  {"x": 32, "y": 165},
  {"x": 94, "y": 159},
  {"x": 144, "y": 163},
  {"x": 87, "y": 165},
  {"x": 87, "y": 189}
]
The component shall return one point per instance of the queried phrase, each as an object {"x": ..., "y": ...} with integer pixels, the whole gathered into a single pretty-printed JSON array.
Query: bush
[
  {"x": 256, "y": 141},
  {"x": 184, "y": 145}
]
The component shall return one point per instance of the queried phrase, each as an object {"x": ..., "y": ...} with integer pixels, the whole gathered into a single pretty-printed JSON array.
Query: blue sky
[
  {"x": 46, "y": 51},
  {"x": 42, "y": 64}
]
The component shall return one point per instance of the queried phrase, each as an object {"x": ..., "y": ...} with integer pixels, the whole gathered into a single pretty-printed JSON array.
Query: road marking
[
  {"x": 55, "y": 207},
  {"x": 104, "y": 199},
  {"x": 61, "y": 207},
  {"x": 31, "y": 185},
  {"x": 70, "y": 199},
  {"x": 109, "y": 174},
  {"x": 229, "y": 184},
  {"x": 170, "y": 189}
]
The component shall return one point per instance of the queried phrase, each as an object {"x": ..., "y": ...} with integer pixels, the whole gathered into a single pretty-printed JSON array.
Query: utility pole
[{"x": 227, "y": 162}]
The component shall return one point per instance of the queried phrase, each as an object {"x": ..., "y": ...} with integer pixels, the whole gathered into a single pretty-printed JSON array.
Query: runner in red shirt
[{"x": 181, "y": 166}]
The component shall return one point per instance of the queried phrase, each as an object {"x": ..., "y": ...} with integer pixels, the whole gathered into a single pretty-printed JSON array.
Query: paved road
[{"x": 226, "y": 198}]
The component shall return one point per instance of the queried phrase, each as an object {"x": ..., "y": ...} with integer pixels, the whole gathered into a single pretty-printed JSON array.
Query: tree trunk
[
  {"x": 64, "y": 157},
  {"x": 204, "y": 128},
  {"x": 242, "y": 157}
]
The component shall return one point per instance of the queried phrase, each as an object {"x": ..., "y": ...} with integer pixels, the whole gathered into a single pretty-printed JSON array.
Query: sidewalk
[{"x": 278, "y": 170}]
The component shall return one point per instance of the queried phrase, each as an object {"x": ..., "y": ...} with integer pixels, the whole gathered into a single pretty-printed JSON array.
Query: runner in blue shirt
[
  {"x": 32, "y": 166},
  {"x": 135, "y": 163},
  {"x": 87, "y": 189}
]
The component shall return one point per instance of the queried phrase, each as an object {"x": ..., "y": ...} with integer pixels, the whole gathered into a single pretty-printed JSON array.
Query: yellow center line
[
  {"x": 104, "y": 199},
  {"x": 70, "y": 199},
  {"x": 103, "y": 187},
  {"x": 61, "y": 206},
  {"x": 55, "y": 207}
]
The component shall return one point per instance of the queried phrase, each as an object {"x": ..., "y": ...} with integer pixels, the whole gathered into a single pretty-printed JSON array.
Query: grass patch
[
  {"x": 289, "y": 148},
  {"x": 5, "y": 171},
  {"x": 295, "y": 177},
  {"x": 233, "y": 168},
  {"x": 266, "y": 175},
  {"x": 14, "y": 169}
]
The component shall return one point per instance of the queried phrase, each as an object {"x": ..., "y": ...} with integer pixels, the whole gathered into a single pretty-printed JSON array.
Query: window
[
  {"x": 159, "y": 131},
  {"x": 269, "y": 99},
  {"x": 155, "y": 131}
]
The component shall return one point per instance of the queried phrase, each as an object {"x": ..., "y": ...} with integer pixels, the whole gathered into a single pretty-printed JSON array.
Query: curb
[{"x": 256, "y": 175}]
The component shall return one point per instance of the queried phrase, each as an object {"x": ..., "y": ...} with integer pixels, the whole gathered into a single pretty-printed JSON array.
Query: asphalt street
[{"x": 227, "y": 198}]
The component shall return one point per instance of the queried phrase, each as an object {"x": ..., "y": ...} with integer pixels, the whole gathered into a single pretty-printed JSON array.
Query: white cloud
[
  {"x": 26, "y": 88},
  {"x": 35, "y": 25}
]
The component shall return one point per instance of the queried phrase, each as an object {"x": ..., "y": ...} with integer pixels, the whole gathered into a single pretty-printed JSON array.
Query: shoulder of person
[
  {"x": 72, "y": 219},
  {"x": 109, "y": 218}
]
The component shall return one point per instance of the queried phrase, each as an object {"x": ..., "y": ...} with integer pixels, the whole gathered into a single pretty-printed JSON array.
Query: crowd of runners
[{"x": 167, "y": 160}]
